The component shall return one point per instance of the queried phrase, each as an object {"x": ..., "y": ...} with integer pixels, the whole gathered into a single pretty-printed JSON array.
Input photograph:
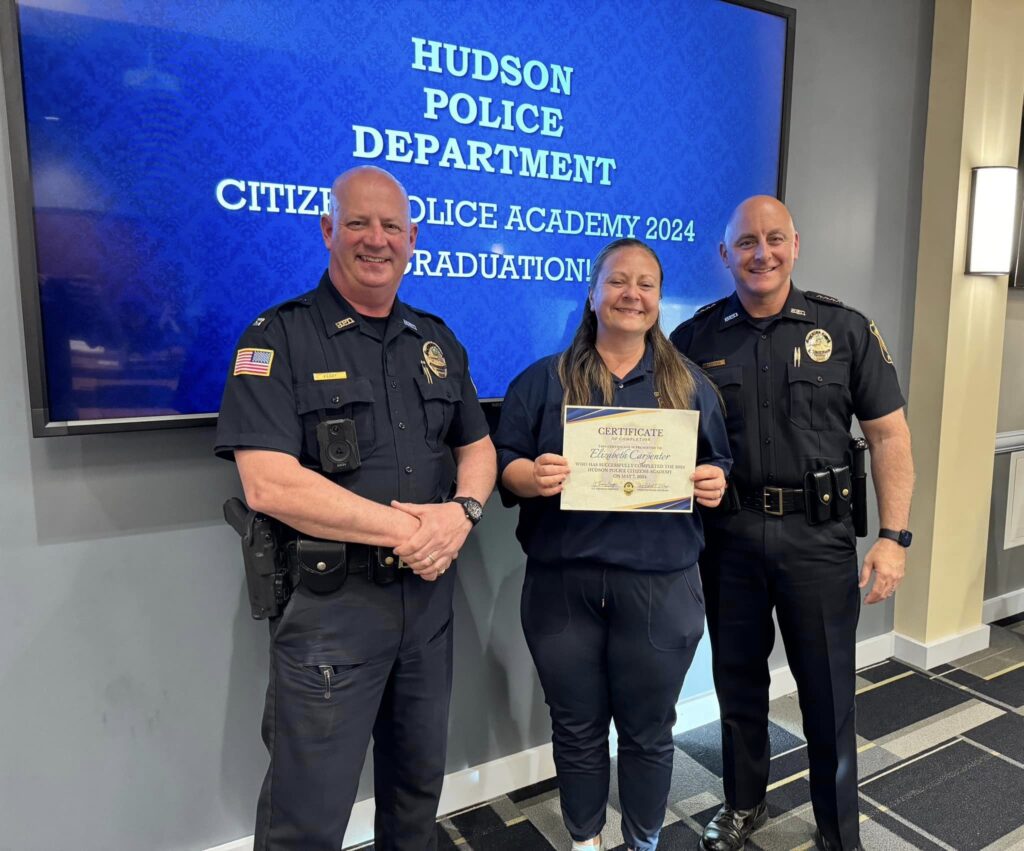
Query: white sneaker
[{"x": 591, "y": 846}]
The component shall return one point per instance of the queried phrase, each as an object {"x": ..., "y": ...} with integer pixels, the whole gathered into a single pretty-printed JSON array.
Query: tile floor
[{"x": 941, "y": 767}]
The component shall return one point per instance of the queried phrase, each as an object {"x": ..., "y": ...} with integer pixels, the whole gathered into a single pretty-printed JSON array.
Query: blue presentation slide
[{"x": 181, "y": 156}]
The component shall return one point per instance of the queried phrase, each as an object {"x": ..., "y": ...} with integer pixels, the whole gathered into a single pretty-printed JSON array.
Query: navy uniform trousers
[
  {"x": 754, "y": 563},
  {"x": 612, "y": 643},
  {"x": 367, "y": 659}
]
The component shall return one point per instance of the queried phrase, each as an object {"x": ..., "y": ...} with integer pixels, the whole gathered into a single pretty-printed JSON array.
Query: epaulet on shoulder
[
  {"x": 827, "y": 299},
  {"x": 433, "y": 316},
  {"x": 700, "y": 311},
  {"x": 831, "y": 299},
  {"x": 267, "y": 316}
]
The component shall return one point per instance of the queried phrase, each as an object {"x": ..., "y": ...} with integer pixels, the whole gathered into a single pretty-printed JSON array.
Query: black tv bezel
[{"x": 25, "y": 239}]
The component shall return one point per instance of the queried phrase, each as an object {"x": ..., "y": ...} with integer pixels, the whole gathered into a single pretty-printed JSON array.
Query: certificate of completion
[{"x": 629, "y": 459}]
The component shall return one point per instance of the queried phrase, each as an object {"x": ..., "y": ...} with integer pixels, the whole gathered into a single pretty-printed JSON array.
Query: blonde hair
[{"x": 581, "y": 369}]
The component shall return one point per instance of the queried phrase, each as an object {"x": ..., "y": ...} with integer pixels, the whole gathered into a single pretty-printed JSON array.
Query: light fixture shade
[{"x": 990, "y": 229}]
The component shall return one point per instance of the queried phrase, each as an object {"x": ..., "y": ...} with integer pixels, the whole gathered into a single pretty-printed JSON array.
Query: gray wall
[
  {"x": 131, "y": 674},
  {"x": 1011, "y": 397},
  {"x": 1004, "y": 569}
]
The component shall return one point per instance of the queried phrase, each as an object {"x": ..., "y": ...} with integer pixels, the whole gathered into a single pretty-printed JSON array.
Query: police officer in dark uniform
[
  {"x": 343, "y": 411},
  {"x": 793, "y": 368}
]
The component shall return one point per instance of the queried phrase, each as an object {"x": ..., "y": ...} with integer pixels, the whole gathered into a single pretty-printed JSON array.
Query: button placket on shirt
[
  {"x": 396, "y": 409},
  {"x": 766, "y": 420}
]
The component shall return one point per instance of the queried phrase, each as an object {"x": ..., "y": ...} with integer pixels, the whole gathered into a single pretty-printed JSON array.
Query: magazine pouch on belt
[
  {"x": 842, "y": 492},
  {"x": 818, "y": 496}
]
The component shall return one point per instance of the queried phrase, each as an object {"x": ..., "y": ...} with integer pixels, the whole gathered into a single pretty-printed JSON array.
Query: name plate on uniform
[{"x": 629, "y": 459}]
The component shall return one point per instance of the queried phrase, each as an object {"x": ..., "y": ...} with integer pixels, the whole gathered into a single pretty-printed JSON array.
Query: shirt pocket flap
[
  {"x": 727, "y": 376},
  {"x": 818, "y": 374},
  {"x": 438, "y": 390},
  {"x": 328, "y": 395}
]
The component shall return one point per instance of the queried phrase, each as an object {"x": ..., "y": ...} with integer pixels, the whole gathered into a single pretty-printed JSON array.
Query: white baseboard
[
  {"x": 1004, "y": 606},
  {"x": 870, "y": 651},
  {"x": 244, "y": 844},
  {"x": 696, "y": 712},
  {"x": 927, "y": 656},
  {"x": 475, "y": 785},
  {"x": 461, "y": 789}
]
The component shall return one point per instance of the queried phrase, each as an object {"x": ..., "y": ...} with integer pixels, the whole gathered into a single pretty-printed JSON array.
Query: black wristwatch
[
  {"x": 474, "y": 510},
  {"x": 902, "y": 537}
]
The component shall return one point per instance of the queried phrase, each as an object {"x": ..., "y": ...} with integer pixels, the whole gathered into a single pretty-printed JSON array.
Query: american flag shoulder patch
[{"x": 254, "y": 362}]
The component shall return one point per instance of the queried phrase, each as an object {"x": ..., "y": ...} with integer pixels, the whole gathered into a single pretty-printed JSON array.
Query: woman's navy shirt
[{"x": 531, "y": 424}]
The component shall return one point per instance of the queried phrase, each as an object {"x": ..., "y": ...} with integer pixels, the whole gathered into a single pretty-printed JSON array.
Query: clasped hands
[
  {"x": 550, "y": 471},
  {"x": 435, "y": 544}
]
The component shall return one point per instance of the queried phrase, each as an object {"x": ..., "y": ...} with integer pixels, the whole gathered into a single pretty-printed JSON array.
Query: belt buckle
[{"x": 767, "y": 494}]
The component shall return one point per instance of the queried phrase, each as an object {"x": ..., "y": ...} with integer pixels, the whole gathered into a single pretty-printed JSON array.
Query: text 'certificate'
[{"x": 629, "y": 459}]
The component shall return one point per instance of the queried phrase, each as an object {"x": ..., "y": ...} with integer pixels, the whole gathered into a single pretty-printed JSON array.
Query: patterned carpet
[{"x": 941, "y": 766}]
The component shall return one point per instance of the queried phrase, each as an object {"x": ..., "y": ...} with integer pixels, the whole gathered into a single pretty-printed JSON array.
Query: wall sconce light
[{"x": 990, "y": 226}]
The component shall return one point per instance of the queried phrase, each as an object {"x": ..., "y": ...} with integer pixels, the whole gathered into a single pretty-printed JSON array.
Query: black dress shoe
[
  {"x": 730, "y": 829},
  {"x": 824, "y": 845}
]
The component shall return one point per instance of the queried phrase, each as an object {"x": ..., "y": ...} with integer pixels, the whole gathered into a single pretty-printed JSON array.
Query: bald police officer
[
  {"x": 343, "y": 412},
  {"x": 793, "y": 368}
]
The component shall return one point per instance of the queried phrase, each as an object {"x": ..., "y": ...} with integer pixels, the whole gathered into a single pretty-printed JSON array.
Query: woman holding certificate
[{"x": 612, "y": 605}]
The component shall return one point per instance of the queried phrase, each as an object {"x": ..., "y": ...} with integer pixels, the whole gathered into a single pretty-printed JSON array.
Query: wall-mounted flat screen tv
[{"x": 171, "y": 162}]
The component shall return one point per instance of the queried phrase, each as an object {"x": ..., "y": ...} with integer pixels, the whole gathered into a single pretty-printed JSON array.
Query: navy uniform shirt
[
  {"x": 405, "y": 383},
  {"x": 792, "y": 382},
  {"x": 531, "y": 424}
]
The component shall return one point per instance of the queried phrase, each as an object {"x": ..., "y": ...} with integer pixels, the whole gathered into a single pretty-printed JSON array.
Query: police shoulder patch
[
  {"x": 827, "y": 299},
  {"x": 873, "y": 328}
]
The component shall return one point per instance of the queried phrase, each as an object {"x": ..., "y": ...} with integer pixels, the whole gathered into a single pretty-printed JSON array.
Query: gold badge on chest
[
  {"x": 819, "y": 345},
  {"x": 434, "y": 358}
]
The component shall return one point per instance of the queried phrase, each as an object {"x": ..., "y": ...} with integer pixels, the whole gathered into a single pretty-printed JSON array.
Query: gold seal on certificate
[{"x": 629, "y": 459}]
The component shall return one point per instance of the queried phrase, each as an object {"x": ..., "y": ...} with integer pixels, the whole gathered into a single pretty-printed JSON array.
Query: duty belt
[
  {"x": 774, "y": 501},
  {"x": 367, "y": 558},
  {"x": 322, "y": 566}
]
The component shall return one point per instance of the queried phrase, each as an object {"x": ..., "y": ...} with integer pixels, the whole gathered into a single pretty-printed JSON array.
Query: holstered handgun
[
  {"x": 266, "y": 574},
  {"x": 858, "y": 469}
]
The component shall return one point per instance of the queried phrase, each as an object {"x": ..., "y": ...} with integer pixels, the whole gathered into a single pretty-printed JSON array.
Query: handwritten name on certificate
[{"x": 629, "y": 459}]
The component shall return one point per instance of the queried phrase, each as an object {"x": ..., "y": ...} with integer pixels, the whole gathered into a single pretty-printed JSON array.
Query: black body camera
[{"x": 339, "y": 446}]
